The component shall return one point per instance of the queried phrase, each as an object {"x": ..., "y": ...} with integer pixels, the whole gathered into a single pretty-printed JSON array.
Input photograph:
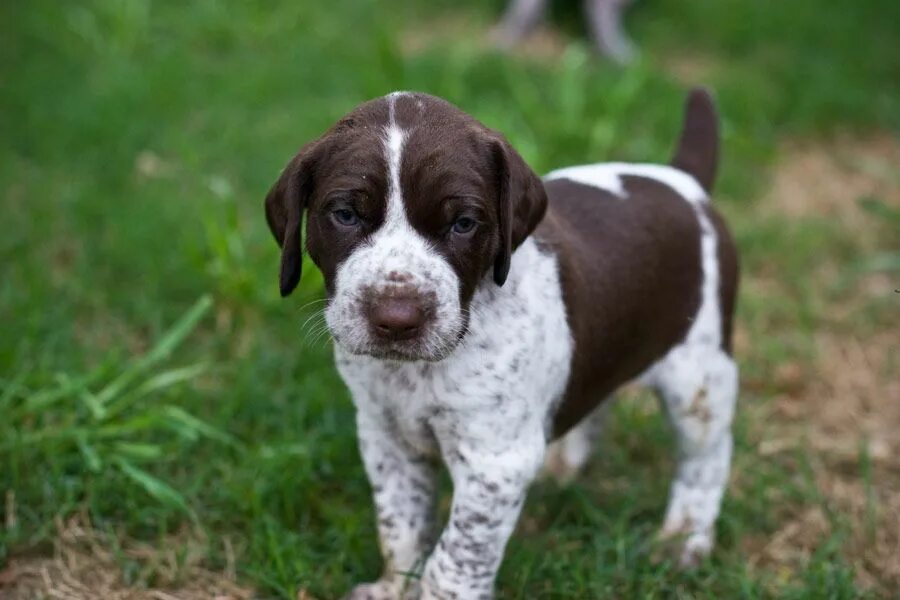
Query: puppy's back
[{"x": 628, "y": 239}]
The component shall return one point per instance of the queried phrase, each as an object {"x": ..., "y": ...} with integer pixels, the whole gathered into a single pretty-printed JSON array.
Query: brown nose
[{"x": 397, "y": 318}]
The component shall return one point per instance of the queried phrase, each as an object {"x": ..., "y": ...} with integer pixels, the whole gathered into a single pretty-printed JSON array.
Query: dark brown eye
[
  {"x": 345, "y": 216},
  {"x": 463, "y": 225}
]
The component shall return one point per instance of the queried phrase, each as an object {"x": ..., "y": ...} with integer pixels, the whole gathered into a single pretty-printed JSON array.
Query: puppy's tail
[{"x": 698, "y": 147}]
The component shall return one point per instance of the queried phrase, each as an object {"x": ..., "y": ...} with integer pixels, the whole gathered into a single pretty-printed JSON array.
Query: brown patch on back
[
  {"x": 630, "y": 269},
  {"x": 83, "y": 567}
]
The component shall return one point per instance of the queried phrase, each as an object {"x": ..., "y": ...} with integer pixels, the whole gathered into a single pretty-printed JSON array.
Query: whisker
[
  {"x": 322, "y": 333},
  {"x": 310, "y": 319},
  {"x": 317, "y": 328},
  {"x": 311, "y": 302}
]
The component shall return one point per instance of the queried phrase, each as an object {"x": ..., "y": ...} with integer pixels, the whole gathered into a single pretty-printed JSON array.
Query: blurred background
[{"x": 169, "y": 425}]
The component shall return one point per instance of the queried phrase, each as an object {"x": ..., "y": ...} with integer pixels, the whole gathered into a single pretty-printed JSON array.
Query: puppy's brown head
[{"x": 410, "y": 205}]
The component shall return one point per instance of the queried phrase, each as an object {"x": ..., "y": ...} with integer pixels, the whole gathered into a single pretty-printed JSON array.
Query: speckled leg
[
  {"x": 403, "y": 485},
  {"x": 567, "y": 456},
  {"x": 488, "y": 493},
  {"x": 698, "y": 389}
]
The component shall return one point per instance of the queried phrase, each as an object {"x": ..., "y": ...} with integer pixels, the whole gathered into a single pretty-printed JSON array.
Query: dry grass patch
[
  {"x": 815, "y": 179},
  {"x": 848, "y": 418},
  {"x": 842, "y": 408},
  {"x": 84, "y": 566}
]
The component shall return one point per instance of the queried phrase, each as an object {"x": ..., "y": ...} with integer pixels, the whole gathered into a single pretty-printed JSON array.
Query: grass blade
[
  {"x": 67, "y": 387},
  {"x": 194, "y": 427},
  {"x": 139, "y": 451},
  {"x": 153, "y": 486},
  {"x": 163, "y": 348},
  {"x": 91, "y": 458},
  {"x": 157, "y": 383}
]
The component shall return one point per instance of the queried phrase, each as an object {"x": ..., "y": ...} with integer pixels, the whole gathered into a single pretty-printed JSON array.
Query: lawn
[{"x": 169, "y": 425}]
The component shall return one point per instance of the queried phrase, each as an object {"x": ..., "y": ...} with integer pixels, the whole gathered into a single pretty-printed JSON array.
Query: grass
[{"x": 151, "y": 377}]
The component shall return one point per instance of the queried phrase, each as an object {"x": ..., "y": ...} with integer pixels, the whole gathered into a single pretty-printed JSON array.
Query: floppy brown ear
[
  {"x": 284, "y": 213},
  {"x": 523, "y": 203}
]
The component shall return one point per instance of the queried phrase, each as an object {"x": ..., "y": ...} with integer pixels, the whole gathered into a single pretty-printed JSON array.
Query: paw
[
  {"x": 694, "y": 550},
  {"x": 557, "y": 468},
  {"x": 564, "y": 460},
  {"x": 687, "y": 548},
  {"x": 380, "y": 590},
  {"x": 385, "y": 590}
]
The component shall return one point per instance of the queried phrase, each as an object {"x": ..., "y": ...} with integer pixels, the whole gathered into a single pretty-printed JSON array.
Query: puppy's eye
[
  {"x": 345, "y": 216},
  {"x": 463, "y": 225}
]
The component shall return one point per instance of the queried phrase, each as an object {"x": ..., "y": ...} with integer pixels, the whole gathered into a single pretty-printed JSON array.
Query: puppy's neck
[{"x": 533, "y": 274}]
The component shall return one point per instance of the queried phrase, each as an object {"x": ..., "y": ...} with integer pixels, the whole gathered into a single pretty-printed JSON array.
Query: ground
[{"x": 172, "y": 429}]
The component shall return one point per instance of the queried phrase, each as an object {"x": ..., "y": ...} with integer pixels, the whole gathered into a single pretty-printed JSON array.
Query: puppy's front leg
[
  {"x": 489, "y": 489},
  {"x": 403, "y": 485}
]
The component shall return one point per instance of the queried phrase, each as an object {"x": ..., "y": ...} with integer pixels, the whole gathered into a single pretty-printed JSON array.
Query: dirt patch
[
  {"x": 815, "y": 179},
  {"x": 691, "y": 69},
  {"x": 84, "y": 566},
  {"x": 848, "y": 416},
  {"x": 854, "y": 398},
  {"x": 839, "y": 407}
]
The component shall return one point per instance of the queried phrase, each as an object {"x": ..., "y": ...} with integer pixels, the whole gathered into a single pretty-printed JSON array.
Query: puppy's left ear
[
  {"x": 285, "y": 203},
  {"x": 522, "y": 199}
]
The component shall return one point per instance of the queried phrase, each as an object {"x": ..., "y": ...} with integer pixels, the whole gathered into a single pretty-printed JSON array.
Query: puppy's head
[{"x": 410, "y": 204}]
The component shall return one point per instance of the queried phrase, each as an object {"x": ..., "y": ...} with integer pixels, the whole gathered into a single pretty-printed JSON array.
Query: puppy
[
  {"x": 480, "y": 312},
  {"x": 604, "y": 19}
]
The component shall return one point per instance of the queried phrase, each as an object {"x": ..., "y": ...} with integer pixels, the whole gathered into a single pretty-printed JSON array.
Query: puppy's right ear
[{"x": 284, "y": 213}]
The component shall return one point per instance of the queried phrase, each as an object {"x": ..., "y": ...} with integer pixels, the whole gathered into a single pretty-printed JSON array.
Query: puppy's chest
[
  {"x": 427, "y": 403},
  {"x": 509, "y": 372}
]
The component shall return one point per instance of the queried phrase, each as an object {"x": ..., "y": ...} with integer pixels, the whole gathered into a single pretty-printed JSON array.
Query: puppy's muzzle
[{"x": 399, "y": 312}]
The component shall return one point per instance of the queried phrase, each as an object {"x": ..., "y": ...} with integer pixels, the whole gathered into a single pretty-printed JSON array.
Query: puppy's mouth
[
  {"x": 402, "y": 354},
  {"x": 427, "y": 345}
]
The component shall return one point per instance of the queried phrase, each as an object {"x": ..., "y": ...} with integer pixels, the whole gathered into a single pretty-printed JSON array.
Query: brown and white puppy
[{"x": 480, "y": 312}]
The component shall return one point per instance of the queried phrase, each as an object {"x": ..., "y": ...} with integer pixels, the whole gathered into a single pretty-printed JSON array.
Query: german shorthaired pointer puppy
[
  {"x": 604, "y": 19},
  {"x": 480, "y": 312}
]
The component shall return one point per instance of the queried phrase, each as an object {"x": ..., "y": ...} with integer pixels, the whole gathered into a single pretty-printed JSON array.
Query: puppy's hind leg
[
  {"x": 567, "y": 456},
  {"x": 697, "y": 384}
]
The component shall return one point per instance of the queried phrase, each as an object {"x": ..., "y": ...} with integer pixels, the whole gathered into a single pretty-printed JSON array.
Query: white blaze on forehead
[{"x": 394, "y": 140}]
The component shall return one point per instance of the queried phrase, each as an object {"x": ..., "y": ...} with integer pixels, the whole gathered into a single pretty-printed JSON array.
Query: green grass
[{"x": 138, "y": 141}]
